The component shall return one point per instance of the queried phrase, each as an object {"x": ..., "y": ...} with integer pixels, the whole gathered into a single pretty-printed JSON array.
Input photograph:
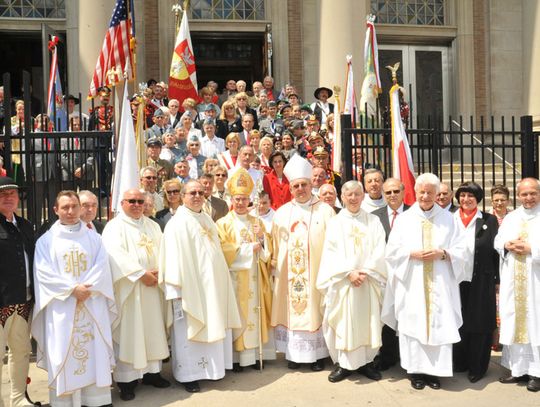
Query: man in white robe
[
  {"x": 246, "y": 247},
  {"x": 351, "y": 277},
  {"x": 424, "y": 259},
  {"x": 298, "y": 235},
  {"x": 74, "y": 310},
  {"x": 373, "y": 181},
  {"x": 132, "y": 242},
  {"x": 518, "y": 243},
  {"x": 196, "y": 280}
]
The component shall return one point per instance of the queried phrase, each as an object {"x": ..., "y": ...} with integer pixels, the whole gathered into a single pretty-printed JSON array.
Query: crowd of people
[{"x": 239, "y": 245}]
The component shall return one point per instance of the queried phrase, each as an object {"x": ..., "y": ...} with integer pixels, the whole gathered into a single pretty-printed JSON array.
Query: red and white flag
[
  {"x": 402, "y": 163},
  {"x": 115, "y": 51},
  {"x": 350, "y": 106},
  {"x": 183, "y": 74}
]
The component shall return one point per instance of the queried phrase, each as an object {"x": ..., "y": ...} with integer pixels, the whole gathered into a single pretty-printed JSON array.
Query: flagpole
[{"x": 132, "y": 45}]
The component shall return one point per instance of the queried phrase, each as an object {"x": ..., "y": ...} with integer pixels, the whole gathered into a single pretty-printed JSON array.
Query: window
[
  {"x": 227, "y": 9},
  {"x": 33, "y": 8},
  {"x": 416, "y": 12}
]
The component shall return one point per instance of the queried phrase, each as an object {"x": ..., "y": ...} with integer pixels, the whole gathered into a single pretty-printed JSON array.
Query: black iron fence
[
  {"x": 487, "y": 152},
  {"x": 44, "y": 162}
]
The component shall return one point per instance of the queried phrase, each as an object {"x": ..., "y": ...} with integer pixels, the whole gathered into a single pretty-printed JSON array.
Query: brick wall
[
  {"x": 151, "y": 40},
  {"x": 296, "y": 62},
  {"x": 481, "y": 68}
]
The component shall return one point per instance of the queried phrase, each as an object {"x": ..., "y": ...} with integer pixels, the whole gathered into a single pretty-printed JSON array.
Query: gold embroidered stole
[
  {"x": 520, "y": 291},
  {"x": 427, "y": 244}
]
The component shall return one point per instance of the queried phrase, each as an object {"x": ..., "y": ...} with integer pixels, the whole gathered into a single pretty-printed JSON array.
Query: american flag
[{"x": 115, "y": 52}]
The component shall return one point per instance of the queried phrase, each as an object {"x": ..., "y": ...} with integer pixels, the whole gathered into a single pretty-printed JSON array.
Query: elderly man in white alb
[
  {"x": 140, "y": 341},
  {"x": 75, "y": 309},
  {"x": 196, "y": 280},
  {"x": 424, "y": 259},
  {"x": 298, "y": 234},
  {"x": 518, "y": 243},
  {"x": 351, "y": 277}
]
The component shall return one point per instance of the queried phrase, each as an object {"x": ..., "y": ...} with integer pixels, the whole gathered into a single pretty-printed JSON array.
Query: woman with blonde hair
[
  {"x": 220, "y": 178},
  {"x": 209, "y": 165},
  {"x": 266, "y": 147},
  {"x": 190, "y": 105},
  {"x": 172, "y": 200},
  {"x": 229, "y": 156},
  {"x": 229, "y": 120}
]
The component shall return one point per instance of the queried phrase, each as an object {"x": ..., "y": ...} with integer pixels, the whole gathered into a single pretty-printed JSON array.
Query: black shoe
[
  {"x": 511, "y": 379},
  {"x": 293, "y": 365},
  {"x": 127, "y": 390},
  {"x": 370, "y": 372},
  {"x": 155, "y": 379},
  {"x": 417, "y": 381},
  {"x": 236, "y": 368},
  {"x": 432, "y": 381},
  {"x": 192, "y": 387},
  {"x": 473, "y": 378},
  {"x": 318, "y": 365},
  {"x": 533, "y": 384},
  {"x": 257, "y": 365},
  {"x": 338, "y": 374}
]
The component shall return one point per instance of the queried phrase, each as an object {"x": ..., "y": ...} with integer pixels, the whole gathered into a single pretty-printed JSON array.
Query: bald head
[{"x": 133, "y": 203}]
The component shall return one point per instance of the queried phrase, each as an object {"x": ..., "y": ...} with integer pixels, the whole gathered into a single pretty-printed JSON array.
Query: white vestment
[
  {"x": 519, "y": 295},
  {"x": 370, "y": 205},
  {"x": 352, "y": 316},
  {"x": 197, "y": 282},
  {"x": 74, "y": 339},
  {"x": 427, "y": 307},
  {"x": 139, "y": 334},
  {"x": 266, "y": 218}
]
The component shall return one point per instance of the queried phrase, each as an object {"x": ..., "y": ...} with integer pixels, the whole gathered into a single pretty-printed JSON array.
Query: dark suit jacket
[
  {"x": 254, "y": 114},
  {"x": 478, "y": 296},
  {"x": 382, "y": 213},
  {"x": 219, "y": 208},
  {"x": 223, "y": 128}
]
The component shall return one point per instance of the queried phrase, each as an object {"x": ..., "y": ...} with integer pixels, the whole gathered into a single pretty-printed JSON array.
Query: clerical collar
[
  {"x": 350, "y": 214},
  {"x": 242, "y": 217},
  {"x": 70, "y": 228},
  {"x": 376, "y": 202},
  {"x": 427, "y": 214},
  {"x": 531, "y": 213},
  {"x": 307, "y": 204}
]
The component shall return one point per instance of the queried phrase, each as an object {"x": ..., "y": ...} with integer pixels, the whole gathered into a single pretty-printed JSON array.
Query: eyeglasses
[
  {"x": 194, "y": 145},
  {"x": 134, "y": 201},
  {"x": 150, "y": 177},
  {"x": 394, "y": 191},
  {"x": 173, "y": 191},
  {"x": 221, "y": 175},
  {"x": 195, "y": 193}
]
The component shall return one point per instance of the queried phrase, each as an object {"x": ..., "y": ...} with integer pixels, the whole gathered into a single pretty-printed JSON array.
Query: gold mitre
[{"x": 240, "y": 183}]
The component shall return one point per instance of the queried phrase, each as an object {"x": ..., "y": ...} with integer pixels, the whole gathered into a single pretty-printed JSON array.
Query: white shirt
[
  {"x": 468, "y": 236},
  {"x": 390, "y": 212},
  {"x": 210, "y": 148}
]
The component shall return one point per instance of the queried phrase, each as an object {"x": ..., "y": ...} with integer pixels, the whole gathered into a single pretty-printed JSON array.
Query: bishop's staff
[{"x": 258, "y": 189}]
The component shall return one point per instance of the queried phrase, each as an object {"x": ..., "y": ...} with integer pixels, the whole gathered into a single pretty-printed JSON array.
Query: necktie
[
  {"x": 394, "y": 214},
  {"x": 207, "y": 208},
  {"x": 161, "y": 130}
]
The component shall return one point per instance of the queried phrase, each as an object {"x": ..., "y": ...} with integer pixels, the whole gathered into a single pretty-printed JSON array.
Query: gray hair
[
  {"x": 428, "y": 179},
  {"x": 87, "y": 194},
  {"x": 191, "y": 181},
  {"x": 351, "y": 185},
  {"x": 389, "y": 180},
  {"x": 528, "y": 179},
  {"x": 373, "y": 171},
  {"x": 144, "y": 169}
]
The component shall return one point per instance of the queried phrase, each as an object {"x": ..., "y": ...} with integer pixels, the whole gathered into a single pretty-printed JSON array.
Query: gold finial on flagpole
[
  {"x": 112, "y": 74},
  {"x": 394, "y": 70},
  {"x": 177, "y": 9}
]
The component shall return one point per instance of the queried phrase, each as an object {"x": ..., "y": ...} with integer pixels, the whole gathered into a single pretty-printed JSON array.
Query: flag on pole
[
  {"x": 402, "y": 163},
  {"x": 371, "y": 87},
  {"x": 126, "y": 172},
  {"x": 350, "y": 106},
  {"x": 183, "y": 74},
  {"x": 336, "y": 142},
  {"x": 56, "y": 109},
  {"x": 139, "y": 133},
  {"x": 115, "y": 51}
]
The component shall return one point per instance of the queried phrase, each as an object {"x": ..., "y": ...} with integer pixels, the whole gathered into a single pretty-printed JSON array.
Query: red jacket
[{"x": 279, "y": 192}]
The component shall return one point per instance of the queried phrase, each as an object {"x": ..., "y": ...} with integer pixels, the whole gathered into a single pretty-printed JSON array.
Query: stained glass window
[
  {"x": 417, "y": 12},
  {"x": 33, "y": 8},
  {"x": 227, "y": 9}
]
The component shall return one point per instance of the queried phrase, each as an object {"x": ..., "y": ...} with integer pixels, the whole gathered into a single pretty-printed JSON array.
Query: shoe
[
  {"x": 257, "y": 366},
  {"x": 433, "y": 382},
  {"x": 293, "y": 365},
  {"x": 338, "y": 374},
  {"x": 417, "y": 381},
  {"x": 473, "y": 378},
  {"x": 370, "y": 372},
  {"x": 155, "y": 379},
  {"x": 127, "y": 390},
  {"x": 236, "y": 368},
  {"x": 192, "y": 387},
  {"x": 511, "y": 379},
  {"x": 533, "y": 384},
  {"x": 318, "y": 365}
]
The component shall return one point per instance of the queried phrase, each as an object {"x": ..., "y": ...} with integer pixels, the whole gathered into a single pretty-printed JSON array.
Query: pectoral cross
[
  {"x": 203, "y": 363},
  {"x": 251, "y": 326},
  {"x": 148, "y": 245},
  {"x": 357, "y": 236}
]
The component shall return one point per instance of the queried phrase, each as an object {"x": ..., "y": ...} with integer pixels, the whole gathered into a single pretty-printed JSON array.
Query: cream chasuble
[
  {"x": 352, "y": 315},
  {"x": 74, "y": 339},
  {"x": 248, "y": 270},
  {"x": 140, "y": 332}
]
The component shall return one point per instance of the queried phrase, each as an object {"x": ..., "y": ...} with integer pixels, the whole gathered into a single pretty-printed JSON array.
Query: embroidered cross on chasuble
[
  {"x": 520, "y": 291},
  {"x": 427, "y": 244},
  {"x": 147, "y": 244}
]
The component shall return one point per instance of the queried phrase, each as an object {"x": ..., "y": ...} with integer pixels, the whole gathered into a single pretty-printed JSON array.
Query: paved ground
[{"x": 278, "y": 386}]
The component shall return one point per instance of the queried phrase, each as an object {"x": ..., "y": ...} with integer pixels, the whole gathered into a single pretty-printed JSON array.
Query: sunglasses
[
  {"x": 221, "y": 175},
  {"x": 173, "y": 191},
  {"x": 195, "y": 193},
  {"x": 394, "y": 191},
  {"x": 135, "y": 201},
  {"x": 150, "y": 177}
]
